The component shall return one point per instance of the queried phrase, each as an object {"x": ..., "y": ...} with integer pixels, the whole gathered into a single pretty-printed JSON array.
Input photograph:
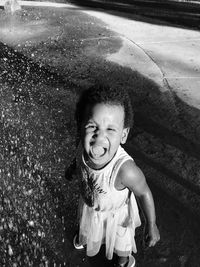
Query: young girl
[{"x": 110, "y": 179}]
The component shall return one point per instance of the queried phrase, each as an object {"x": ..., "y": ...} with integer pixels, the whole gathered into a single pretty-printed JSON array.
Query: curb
[
  {"x": 134, "y": 57},
  {"x": 40, "y": 4}
]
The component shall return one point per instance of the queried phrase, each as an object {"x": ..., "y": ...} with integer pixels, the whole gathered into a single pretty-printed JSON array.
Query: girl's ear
[{"x": 124, "y": 135}]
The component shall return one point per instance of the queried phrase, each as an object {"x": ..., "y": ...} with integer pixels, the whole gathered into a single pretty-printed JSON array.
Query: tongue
[{"x": 98, "y": 151}]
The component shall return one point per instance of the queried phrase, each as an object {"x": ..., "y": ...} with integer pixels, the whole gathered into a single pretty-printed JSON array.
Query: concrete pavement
[
  {"x": 163, "y": 53},
  {"x": 160, "y": 52}
]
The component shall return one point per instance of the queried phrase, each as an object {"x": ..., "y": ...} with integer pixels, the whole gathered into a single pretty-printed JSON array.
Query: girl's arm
[{"x": 132, "y": 177}]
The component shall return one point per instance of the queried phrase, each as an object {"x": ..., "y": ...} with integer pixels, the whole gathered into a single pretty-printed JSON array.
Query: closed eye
[
  {"x": 90, "y": 126},
  {"x": 111, "y": 130}
]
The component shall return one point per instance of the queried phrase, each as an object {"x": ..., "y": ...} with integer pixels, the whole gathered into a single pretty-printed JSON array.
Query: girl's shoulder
[
  {"x": 129, "y": 174},
  {"x": 128, "y": 168}
]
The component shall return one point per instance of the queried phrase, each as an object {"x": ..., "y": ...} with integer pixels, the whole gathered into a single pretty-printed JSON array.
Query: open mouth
[{"x": 98, "y": 151}]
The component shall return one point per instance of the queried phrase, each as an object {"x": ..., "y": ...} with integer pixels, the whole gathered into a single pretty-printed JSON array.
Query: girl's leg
[
  {"x": 126, "y": 261},
  {"x": 76, "y": 242},
  {"x": 122, "y": 261}
]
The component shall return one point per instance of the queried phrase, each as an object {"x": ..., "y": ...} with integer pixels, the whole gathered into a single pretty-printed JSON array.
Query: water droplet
[
  {"x": 10, "y": 251},
  {"x": 31, "y": 223}
]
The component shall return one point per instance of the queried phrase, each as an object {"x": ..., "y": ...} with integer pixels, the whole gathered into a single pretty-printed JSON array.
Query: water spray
[{"x": 11, "y": 6}]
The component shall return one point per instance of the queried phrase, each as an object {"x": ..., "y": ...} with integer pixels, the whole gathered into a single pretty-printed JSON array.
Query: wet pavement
[{"x": 47, "y": 56}]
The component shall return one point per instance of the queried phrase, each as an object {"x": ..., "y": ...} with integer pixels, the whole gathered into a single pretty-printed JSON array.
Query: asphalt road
[
  {"x": 185, "y": 13},
  {"x": 47, "y": 56}
]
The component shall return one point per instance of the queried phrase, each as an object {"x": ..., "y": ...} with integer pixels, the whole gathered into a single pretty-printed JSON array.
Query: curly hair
[{"x": 101, "y": 93}]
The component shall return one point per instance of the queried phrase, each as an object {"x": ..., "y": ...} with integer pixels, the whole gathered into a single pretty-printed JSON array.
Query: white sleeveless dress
[{"x": 107, "y": 216}]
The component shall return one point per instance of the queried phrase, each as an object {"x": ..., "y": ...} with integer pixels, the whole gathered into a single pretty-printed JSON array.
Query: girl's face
[{"x": 102, "y": 133}]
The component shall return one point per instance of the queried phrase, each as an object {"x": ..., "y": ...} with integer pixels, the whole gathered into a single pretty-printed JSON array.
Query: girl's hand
[{"x": 151, "y": 235}]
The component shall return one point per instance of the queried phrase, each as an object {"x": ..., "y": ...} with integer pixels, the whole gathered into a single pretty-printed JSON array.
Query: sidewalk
[{"x": 171, "y": 49}]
